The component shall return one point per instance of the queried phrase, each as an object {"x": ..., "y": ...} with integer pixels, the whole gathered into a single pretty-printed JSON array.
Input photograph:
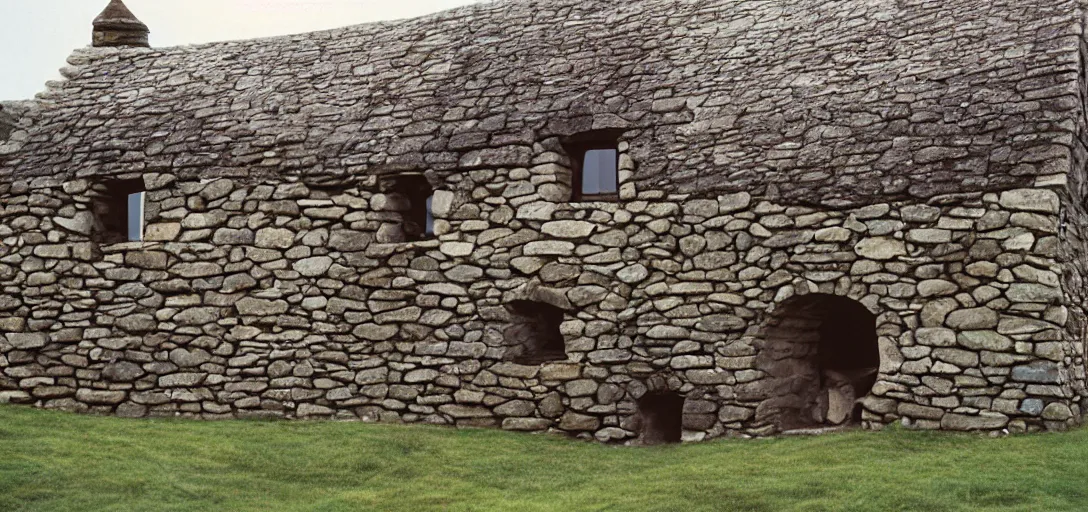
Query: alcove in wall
[
  {"x": 533, "y": 334},
  {"x": 409, "y": 198},
  {"x": 821, "y": 357}
]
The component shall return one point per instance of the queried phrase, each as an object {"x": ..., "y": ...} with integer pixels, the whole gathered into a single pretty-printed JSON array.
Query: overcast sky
[{"x": 37, "y": 35}]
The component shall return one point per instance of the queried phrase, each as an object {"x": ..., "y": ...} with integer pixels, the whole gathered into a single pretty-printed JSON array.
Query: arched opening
[
  {"x": 661, "y": 418},
  {"x": 821, "y": 357}
]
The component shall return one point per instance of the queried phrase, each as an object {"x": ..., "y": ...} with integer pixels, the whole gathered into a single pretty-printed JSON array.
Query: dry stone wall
[
  {"x": 840, "y": 104},
  {"x": 944, "y": 144},
  {"x": 278, "y": 299}
]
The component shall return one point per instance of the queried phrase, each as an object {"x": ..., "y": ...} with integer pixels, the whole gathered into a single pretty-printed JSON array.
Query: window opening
[
  {"x": 599, "y": 172},
  {"x": 121, "y": 211},
  {"x": 595, "y": 162},
  {"x": 136, "y": 217},
  {"x": 534, "y": 336},
  {"x": 412, "y": 194}
]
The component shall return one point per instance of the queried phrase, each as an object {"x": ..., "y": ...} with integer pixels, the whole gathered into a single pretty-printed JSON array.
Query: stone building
[{"x": 649, "y": 220}]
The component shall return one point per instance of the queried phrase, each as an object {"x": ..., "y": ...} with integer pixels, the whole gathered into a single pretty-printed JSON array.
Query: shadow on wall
[{"x": 822, "y": 356}]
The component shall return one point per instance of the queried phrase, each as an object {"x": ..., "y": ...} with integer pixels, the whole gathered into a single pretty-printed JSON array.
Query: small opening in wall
[
  {"x": 595, "y": 160},
  {"x": 413, "y": 194},
  {"x": 121, "y": 211},
  {"x": 534, "y": 336},
  {"x": 822, "y": 353},
  {"x": 662, "y": 418}
]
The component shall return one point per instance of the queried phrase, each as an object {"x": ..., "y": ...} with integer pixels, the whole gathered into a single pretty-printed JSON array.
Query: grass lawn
[{"x": 59, "y": 461}]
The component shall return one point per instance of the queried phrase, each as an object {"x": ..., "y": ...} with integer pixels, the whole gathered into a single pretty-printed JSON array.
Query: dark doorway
[
  {"x": 822, "y": 356},
  {"x": 662, "y": 418}
]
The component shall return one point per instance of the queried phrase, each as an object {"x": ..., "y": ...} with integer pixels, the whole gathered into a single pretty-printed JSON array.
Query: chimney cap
[{"x": 117, "y": 26}]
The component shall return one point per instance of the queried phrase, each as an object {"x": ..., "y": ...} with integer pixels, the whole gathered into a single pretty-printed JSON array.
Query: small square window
[
  {"x": 121, "y": 211},
  {"x": 595, "y": 166},
  {"x": 413, "y": 195},
  {"x": 533, "y": 335},
  {"x": 600, "y": 172}
]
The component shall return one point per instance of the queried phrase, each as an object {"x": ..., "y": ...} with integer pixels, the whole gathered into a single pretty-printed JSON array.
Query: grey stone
[
  {"x": 123, "y": 371},
  {"x": 456, "y": 249},
  {"x": 936, "y": 287},
  {"x": 568, "y": 229},
  {"x": 261, "y": 307},
  {"x": 1035, "y": 200},
  {"x": 1032, "y": 406},
  {"x": 575, "y": 422},
  {"x": 526, "y": 424},
  {"x": 1039, "y": 372},
  {"x": 100, "y": 397},
  {"x": 1057, "y": 411},
  {"x": 82, "y": 222},
  {"x": 989, "y": 421},
  {"x": 730, "y": 203},
  {"x": 138, "y": 323},
  {"x": 313, "y": 267},
  {"x": 27, "y": 340},
  {"x": 984, "y": 340},
  {"x": 972, "y": 319},
  {"x": 274, "y": 238},
  {"x": 880, "y": 248}
]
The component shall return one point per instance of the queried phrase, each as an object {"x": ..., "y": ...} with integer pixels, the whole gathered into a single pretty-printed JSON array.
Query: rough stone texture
[
  {"x": 932, "y": 183},
  {"x": 904, "y": 116}
]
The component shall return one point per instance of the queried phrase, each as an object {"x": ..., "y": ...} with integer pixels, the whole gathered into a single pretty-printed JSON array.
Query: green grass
[{"x": 58, "y": 461}]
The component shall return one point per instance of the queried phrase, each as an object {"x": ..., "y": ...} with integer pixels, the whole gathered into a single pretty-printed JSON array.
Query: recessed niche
[{"x": 533, "y": 335}]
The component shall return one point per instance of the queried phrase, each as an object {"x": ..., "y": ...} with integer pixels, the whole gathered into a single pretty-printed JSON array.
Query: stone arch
[{"x": 821, "y": 355}]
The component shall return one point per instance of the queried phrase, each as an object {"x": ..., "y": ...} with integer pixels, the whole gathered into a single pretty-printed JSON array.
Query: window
[
  {"x": 136, "y": 216},
  {"x": 121, "y": 211},
  {"x": 599, "y": 172},
  {"x": 595, "y": 160},
  {"x": 412, "y": 196},
  {"x": 533, "y": 335}
]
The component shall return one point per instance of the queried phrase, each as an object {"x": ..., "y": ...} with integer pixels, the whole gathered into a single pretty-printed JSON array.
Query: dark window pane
[
  {"x": 599, "y": 172},
  {"x": 429, "y": 228},
  {"x": 136, "y": 216}
]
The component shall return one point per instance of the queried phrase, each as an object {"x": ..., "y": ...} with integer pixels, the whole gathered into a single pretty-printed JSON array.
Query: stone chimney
[{"x": 117, "y": 26}]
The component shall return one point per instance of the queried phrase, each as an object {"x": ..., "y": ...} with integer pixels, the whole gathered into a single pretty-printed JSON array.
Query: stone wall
[
  {"x": 281, "y": 299},
  {"x": 1072, "y": 222},
  {"x": 839, "y": 104}
]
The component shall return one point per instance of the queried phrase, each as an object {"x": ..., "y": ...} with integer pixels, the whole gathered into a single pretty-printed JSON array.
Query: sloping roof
[{"x": 810, "y": 101}]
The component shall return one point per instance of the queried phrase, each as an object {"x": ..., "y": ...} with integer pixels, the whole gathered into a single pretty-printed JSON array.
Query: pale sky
[{"x": 38, "y": 35}]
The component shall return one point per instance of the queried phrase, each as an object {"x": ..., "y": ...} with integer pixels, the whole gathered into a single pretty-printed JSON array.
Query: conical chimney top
[{"x": 117, "y": 26}]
